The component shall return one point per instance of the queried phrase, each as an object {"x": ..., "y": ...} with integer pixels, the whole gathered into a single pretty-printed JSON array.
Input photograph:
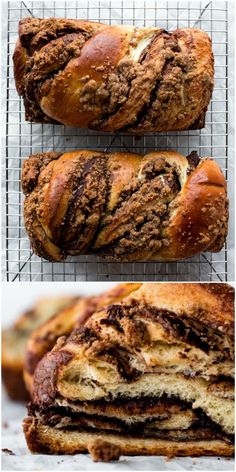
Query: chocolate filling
[
  {"x": 201, "y": 428},
  {"x": 142, "y": 228},
  {"x": 184, "y": 329},
  {"x": 193, "y": 160},
  {"x": 88, "y": 199}
]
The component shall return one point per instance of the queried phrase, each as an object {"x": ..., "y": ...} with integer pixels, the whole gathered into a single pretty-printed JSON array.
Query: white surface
[
  {"x": 13, "y": 439},
  {"x": 16, "y": 298}
]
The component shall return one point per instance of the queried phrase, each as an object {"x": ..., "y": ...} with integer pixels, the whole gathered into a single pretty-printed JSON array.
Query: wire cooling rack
[{"x": 23, "y": 139}]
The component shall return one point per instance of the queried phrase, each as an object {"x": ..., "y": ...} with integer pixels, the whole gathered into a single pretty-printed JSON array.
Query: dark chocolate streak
[
  {"x": 142, "y": 115},
  {"x": 135, "y": 406},
  {"x": 113, "y": 322},
  {"x": 184, "y": 329},
  {"x": 107, "y": 184},
  {"x": 83, "y": 335},
  {"x": 193, "y": 160},
  {"x": 88, "y": 196},
  {"x": 145, "y": 52},
  {"x": 172, "y": 183},
  {"x": 78, "y": 188},
  {"x": 65, "y": 419},
  {"x": 46, "y": 36},
  {"x": 164, "y": 169},
  {"x": 121, "y": 356},
  {"x": 40, "y": 80},
  {"x": 172, "y": 43}
]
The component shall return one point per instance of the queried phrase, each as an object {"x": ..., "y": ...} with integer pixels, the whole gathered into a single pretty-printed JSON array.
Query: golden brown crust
[
  {"x": 45, "y": 336},
  {"x": 14, "y": 384},
  {"x": 19, "y": 63},
  {"x": 198, "y": 211},
  {"x": 124, "y": 207},
  {"x": 209, "y": 303},
  {"x": 113, "y": 77},
  {"x": 43, "y": 439}
]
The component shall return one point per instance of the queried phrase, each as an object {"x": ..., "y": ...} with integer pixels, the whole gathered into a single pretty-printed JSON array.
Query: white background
[{"x": 18, "y": 297}]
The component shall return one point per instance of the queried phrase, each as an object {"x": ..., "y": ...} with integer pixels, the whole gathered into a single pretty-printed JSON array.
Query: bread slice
[
  {"x": 43, "y": 338},
  {"x": 14, "y": 341},
  {"x": 106, "y": 447},
  {"x": 37, "y": 330},
  {"x": 152, "y": 374}
]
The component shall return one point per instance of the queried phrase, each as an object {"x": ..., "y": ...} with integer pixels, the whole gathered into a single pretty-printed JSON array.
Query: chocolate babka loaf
[
  {"x": 14, "y": 340},
  {"x": 152, "y": 374},
  {"x": 113, "y": 78},
  {"x": 45, "y": 336},
  {"x": 124, "y": 207}
]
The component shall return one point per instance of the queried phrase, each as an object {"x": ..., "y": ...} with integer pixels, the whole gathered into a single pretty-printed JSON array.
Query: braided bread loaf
[
  {"x": 113, "y": 78},
  {"x": 122, "y": 206}
]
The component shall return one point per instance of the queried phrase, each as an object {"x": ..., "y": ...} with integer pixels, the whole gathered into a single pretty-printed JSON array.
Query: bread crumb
[
  {"x": 103, "y": 451},
  {"x": 8, "y": 451}
]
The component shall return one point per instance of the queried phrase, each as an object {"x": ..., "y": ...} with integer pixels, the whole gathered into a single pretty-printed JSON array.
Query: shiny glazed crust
[
  {"x": 124, "y": 207},
  {"x": 45, "y": 336},
  {"x": 92, "y": 75}
]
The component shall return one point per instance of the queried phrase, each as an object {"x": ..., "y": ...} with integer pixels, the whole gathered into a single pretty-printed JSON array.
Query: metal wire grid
[{"x": 23, "y": 139}]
